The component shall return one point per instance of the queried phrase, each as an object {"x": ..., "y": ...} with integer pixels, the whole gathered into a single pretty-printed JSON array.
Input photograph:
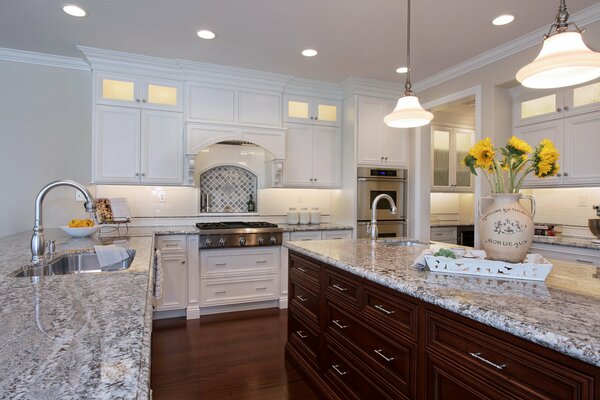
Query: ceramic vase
[{"x": 506, "y": 227}]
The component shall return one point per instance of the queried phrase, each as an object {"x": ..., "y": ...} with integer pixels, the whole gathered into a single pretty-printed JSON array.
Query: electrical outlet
[
  {"x": 162, "y": 197},
  {"x": 582, "y": 200},
  {"x": 79, "y": 196}
]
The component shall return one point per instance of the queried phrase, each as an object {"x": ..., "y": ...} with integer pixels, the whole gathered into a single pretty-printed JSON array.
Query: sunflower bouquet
[{"x": 516, "y": 160}]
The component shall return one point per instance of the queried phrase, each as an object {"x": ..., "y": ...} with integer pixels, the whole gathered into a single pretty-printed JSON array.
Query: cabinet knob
[
  {"x": 559, "y": 174},
  {"x": 137, "y": 174},
  {"x": 385, "y": 158},
  {"x": 143, "y": 100},
  {"x": 558, "y": 109},
  {"x": 137, "y": 100},
  {"x": 314, "y": 179},
  {"x": 316, "y": 117},
  {"x": 143, "y": 174},
  {"x": 312, "y": 117},
  {"x": 566, "y": 108},
  {"x": 566, "y": 174},
  {"x": 183, "y": 261}
]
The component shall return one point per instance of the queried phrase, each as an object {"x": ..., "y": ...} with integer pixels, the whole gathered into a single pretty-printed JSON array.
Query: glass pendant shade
[
  {"x": 564, "y": 60},
  {"x": 408, "y": 114}
]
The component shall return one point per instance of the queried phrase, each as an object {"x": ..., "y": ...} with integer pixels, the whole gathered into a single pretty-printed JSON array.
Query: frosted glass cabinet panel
[
  {"x": 539, "y": 106},
  {"x": 450, "y": 145},
  {"x": 118, "y": 90},
  {"x": 166, "y": 95},
  {"x": 312, "y": 110}
]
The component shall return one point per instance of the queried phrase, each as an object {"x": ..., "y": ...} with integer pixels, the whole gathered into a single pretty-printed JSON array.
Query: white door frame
[{"x": 421, "y": 182}]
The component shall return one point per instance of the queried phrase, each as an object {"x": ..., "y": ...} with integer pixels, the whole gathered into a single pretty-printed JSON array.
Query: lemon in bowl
[{"x": 80, "y": 228}]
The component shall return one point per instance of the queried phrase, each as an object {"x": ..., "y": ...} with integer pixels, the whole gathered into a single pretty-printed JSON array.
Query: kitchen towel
[
  {"x": 158, "y": 275},
  {"x": 111, "y": 254}
]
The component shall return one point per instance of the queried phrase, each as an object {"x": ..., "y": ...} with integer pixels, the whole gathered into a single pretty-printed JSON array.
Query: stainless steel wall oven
[{"x": 373, "y": 182}]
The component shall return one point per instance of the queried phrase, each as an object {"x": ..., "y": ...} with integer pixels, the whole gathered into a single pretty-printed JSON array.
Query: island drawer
[
  {"x": 345, "y": 375},
  {"x": 303, "y": 337},
  {"x": 341, "y": 287},
  {"x": 305, "y": 300},
  {"x": 301, "y": 268},
  {"x": 391, "y": 312},
  {"x": 171, "y": 243},
  {"x": 511, "y": 362},
  {"x": 395, "y": 361}
]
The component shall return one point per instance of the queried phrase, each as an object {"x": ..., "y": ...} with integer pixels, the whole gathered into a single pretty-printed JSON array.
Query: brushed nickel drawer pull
[
  {"x": 302, "y": 298},
  {"x": 302, "y": 335},
  {"x": 338, "y": 370},
  {"x": 338, "y": 287},
  {"x": 584, "y": 261},
  {"x": 478, "y": 356},
  {"x": 338, "y": 323},
  {"x": 220, "y": 264},
  {"x": 305, "y": 239},
  {"x": 261, "y": 261},
  {"x": 221, "y": 292},
  {"x": 302, "y": 269},
  {"x": 261, "y": 288},
  {"x": 380, "y": 354},
  {"x": 380, "y": 308}
]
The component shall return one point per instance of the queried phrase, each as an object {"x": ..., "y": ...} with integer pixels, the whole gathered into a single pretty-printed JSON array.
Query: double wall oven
[{"x": 373, "y": 182}]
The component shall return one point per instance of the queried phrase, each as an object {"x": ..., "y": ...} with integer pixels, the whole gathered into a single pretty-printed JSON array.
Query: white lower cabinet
[
  {"x": 239, "y": 275},
  {"x": 567, "y": 253},
  {"x": 336, "y": 235},
  {"x": 445, "y": 234},
  {"x": 175, "y": 271}
]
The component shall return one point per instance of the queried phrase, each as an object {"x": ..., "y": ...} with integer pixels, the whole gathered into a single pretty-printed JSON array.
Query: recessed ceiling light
[
  {"x": 74, "y": 10},
  {"x": 309, "y": 52},
  {"x": 402, "y": 70},
  {"x": 205, "y": 34},
  {"x": 503, "y": 19}
]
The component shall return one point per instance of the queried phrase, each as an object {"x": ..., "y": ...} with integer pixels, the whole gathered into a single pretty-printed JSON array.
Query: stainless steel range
[{"x": 238, "y": 234}]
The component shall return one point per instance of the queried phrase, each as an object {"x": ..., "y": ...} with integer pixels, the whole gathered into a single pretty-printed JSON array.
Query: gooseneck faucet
[
  {"x": 38, "y": 245},
  {"x": 372, "y": 230}
]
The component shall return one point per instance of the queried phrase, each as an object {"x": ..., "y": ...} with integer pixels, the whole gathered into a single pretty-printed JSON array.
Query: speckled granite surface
[
  {"x": 75, "y": 336},
  {"x": 567, "y": 241},
  {"x": 309, "y": 227},
  {"x": 562, "y": 313}
]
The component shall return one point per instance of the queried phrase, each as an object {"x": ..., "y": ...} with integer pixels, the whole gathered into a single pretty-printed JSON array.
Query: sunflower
[
  {"x": 483, "y": 153},
  {"x": 517, "y": 146},
  {"x": 545, "y": 159}
]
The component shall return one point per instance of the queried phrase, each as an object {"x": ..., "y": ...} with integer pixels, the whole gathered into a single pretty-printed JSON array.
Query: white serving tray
[{"x": 534, "y": 268}]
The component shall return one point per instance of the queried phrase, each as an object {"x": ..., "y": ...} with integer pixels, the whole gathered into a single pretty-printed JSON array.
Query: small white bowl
[{"x": 80, "y": 232}]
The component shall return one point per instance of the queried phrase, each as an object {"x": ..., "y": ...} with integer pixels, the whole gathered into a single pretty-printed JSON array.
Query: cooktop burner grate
[{"x": 234, "y": 225}]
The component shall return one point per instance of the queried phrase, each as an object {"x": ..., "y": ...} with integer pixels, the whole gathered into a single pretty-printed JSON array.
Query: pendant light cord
[
  {"x": 561, "y": 23},
  {"x": 407, "y": 84}
]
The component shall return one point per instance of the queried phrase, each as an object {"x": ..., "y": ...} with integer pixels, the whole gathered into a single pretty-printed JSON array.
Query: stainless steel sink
[
  {"x": 77, "y": 263},
  {"x": 404, "y": 243}
]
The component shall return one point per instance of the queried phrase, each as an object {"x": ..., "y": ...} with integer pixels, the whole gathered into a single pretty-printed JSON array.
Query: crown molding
[
  {"x": 130, "y": 63},
  {"x": 50, "y": 60},
  {"x": 309, "y": 87},
  {"x": 233, "y": 76},
  {"x": 355, "y": 85},
  {"x": 583, "y": 18}
]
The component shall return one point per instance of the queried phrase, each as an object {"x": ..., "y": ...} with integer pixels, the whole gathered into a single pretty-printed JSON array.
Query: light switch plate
[{"x": 582, "y": 200}]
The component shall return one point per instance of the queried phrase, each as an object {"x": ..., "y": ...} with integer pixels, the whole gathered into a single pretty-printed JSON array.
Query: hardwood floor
[{"x": 226, "y": 356}]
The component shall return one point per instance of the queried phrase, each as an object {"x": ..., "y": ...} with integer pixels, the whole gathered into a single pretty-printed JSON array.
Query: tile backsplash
[
  {"x": 565, "y": 206},
  {"x": 229, "y": 188}
]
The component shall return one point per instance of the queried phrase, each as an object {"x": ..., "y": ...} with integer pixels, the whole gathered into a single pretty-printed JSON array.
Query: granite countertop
[
  {"x": 567, "y": 241},
  {"x": 562, "y": 313},
  {"x": 75, "y": 336},
  {"x": 314, "y": 227}
]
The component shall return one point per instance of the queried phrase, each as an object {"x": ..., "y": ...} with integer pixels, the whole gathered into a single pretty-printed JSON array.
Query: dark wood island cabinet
[{"x": 357, "y": 339}]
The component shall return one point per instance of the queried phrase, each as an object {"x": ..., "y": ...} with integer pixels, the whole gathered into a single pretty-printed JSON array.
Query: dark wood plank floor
[{"x": 226, "y": 356}]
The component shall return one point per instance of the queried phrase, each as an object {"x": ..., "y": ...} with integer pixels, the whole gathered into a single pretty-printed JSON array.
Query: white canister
[
  {"x": 292, "y": 216},
  {"x": 315, "y": 216},
  {"x": 304, "y": 216}
]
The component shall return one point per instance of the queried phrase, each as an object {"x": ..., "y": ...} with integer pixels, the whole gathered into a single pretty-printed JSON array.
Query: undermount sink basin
[
  {"x": 403, "y": 243},
  {"x": 79, "y": 263}
]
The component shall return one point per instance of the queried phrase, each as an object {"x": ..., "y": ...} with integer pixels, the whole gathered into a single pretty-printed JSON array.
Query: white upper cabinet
[
  {"x": 450, "y": 145},
  {"x": 137, "y": 146},
  {"x": 378, "y": 144},
  {"x": 532, "y": 106},
  {"x": 122, "y": 90},
  {"x": 231, "y": 105},
  {"x": 312, "y": 110},
  {"x": 313, "y": 156}
]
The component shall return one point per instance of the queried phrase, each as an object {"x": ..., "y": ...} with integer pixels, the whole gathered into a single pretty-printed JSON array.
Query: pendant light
[
  {"x": 408, "y": 112},
  {"x": 564, "y": 60}
]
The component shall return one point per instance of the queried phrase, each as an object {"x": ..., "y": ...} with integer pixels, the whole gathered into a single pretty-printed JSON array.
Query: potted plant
[{"x": 505, "y": 227}]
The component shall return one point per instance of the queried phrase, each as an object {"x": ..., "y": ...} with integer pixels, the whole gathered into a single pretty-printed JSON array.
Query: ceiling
[{"x": 365, "y": 38}]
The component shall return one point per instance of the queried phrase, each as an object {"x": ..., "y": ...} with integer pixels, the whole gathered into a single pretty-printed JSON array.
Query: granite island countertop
[
  {"x": 562, "y": 313},
  {"x": 75, "y": 336}
]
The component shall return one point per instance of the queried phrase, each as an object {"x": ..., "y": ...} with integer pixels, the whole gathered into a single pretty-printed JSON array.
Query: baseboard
[
  {"x": 283, "y": 302},
  {"x": 169, "y": 314},
  {"x": 193, "y": 312},
  {"x": 238, "y": 307}
]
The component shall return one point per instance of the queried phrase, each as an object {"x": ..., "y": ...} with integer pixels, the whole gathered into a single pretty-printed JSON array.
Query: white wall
[
  {"x": 565, "y": 206},
  {"x": 45, "y": 134}
]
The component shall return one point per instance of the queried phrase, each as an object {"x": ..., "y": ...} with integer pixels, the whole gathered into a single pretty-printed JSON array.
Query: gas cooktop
[{"x": 238, "y": 234}]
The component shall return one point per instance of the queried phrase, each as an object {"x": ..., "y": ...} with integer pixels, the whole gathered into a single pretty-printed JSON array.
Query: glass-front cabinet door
[
  {"x": 122, "y": 90},
  {"x": 312, "y": 110},
  {"x": 449, "y": 147}
]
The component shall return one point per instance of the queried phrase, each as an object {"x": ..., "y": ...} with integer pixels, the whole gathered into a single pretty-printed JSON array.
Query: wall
[
  {"x": 452, "y": 208},
  {"x": 45, "y": 133},
  {"x": 565, "y": 206},
  {"x": 145, "y": 201}
]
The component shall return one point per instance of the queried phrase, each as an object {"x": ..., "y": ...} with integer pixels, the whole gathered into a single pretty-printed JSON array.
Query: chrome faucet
[
  {"x": 38, "y": 245},
  {"x": 372, "y": 230}
]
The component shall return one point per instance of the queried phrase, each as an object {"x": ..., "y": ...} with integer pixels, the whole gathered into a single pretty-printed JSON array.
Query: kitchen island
[
  {"x": 79, "y": 336},
  {"x": 438, "y": 324}
]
